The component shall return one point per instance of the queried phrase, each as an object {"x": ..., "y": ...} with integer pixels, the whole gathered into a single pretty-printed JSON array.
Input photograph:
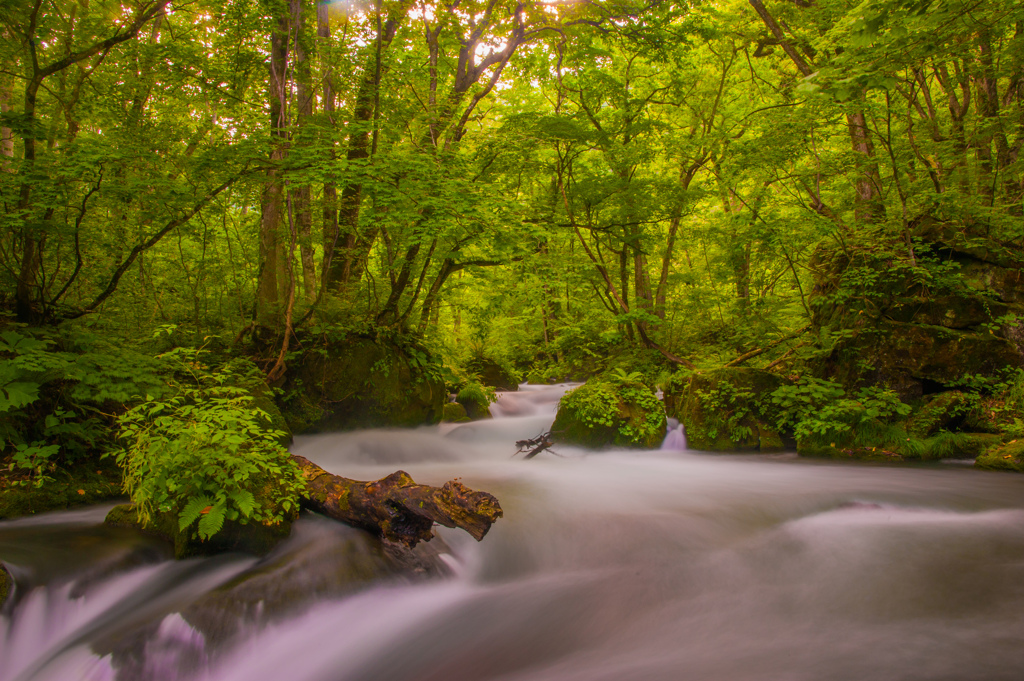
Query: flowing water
[{"x": 618, "y": 565}]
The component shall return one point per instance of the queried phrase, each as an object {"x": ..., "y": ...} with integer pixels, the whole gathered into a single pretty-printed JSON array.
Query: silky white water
[{"x": 617, "y": 565}]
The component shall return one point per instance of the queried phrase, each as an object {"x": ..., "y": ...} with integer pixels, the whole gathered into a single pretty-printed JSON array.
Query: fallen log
[{"x": 395, "y": 507}]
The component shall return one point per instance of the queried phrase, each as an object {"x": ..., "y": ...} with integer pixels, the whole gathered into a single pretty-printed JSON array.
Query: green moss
[
  {"x": 599, "y": 414},
  {"x": 727, "y": 409},
  {"x": 475, "y": 400},
  {"x": 1004, "y": 457},
  {"x": 84, "y": 484},
  {"x": 359, "y": 382},
  {"x": 940, "y": 412},
  {"x": 454, "y": 413}
]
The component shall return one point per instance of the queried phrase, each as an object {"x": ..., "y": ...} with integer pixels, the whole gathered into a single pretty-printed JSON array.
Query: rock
[
  {"x": 454, "y": 413},
  {"x": 604, "y": 413},
  {"x": 324, "y": 560},
  {"x": 475, "y": 402},
  {"x": 1004, "y": 457},
  {"x": 6, "y": 584},
  {"x": 945, "y": 411},
  {"x": 253, "y": 538},
  {"x": 360, "y": 383},
  {"x": 89, "y": 482},
  {"x": 920, "y": 329},
  {"x": 493, "y": 374},
  {"x": 728, "y": 409}
]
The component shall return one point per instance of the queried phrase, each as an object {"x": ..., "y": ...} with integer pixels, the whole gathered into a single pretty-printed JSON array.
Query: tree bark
[{"x": 395, "y": 507}]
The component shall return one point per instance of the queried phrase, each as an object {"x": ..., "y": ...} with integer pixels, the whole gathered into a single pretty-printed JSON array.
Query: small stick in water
[{"x": 534, "y": 446}]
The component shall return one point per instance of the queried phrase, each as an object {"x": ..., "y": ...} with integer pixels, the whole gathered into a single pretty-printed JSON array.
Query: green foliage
[
  {"x": 628, "y": 408},
  {"x": 207, "y": 454},
  {"x": 822, "y": 410},
  {"x": 731, "y": 406}
]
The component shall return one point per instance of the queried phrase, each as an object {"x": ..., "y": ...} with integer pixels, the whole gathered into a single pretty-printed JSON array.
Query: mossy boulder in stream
[
  {"x": 728, "y": 409},
  {"x": 360, "y": 382},
  {"x": 85, "y": 483},
  {"x": 476, "y": 400},
  {"x": 605, "y": 413},
  {"x": 454, "y": 413},
  {"x": 1004, "y": 457}
]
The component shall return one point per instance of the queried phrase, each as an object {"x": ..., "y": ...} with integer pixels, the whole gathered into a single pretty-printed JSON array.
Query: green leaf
[
  {"x": 212, "y": 521},
  {"x": 193, "y": 509}
]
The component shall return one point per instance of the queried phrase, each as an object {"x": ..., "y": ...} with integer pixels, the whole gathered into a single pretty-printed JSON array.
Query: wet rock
[
  {"x": 360, "y": 382},
  {"x": 728, "y": 409},
  {"x": 323, "y": 560},
  {"x": 1004, "y": 457},
  {"x": 253, "y": 538},
  {"x": 475, "y": 401},
  {"x": 608, "y": 413},
  {"x": 454, "y": 413},
  {"x": 90, "y": 482}
]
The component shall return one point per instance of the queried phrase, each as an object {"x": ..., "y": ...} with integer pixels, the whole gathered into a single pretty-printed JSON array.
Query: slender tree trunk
[{"x": 272, "y": 257}]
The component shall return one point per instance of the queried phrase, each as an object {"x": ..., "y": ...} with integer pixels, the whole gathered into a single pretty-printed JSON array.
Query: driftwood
[
  {"x": 395, "y": 507},
  {"x": 534, "y": 446}
]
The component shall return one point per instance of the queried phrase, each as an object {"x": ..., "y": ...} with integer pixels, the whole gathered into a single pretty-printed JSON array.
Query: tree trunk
[{"x": 395, "y": 507}]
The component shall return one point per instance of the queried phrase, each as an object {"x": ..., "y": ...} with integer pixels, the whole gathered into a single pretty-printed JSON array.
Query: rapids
[{"x": 664, "y": 565}]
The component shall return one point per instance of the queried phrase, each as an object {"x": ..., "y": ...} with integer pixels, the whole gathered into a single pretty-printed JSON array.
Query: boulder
[
  {"x": 920, "y": 329},
  {"x": 493, "y": 374},
  {"x": 944, "y": 411},
  {"x": 1004, "y": 457},
  {"x": 253, "y": 538},
  {"x": 475, "y": 401},
  {"x": 454, "y": 413},
  {"x": 88, "y": 482},
  {"x": 728, "y": 409},
  {"x": 608, "y": 413},
  {"x": 360, "y": 382}
]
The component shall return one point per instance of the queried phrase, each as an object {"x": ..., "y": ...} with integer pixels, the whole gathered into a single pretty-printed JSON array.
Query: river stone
[
  {"x": 360, "y": 382},
  {"x": 474, "y": 402},
  {"x": 601, "y": 414},
  {"x": 454, "y": 413},
  {"x": 324, "y": 560},
  {"x": 728, "y": 409}
]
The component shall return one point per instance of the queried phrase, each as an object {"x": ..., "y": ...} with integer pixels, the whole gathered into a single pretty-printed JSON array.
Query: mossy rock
[
  {"x": 86, "y": 483},
  {"x": 600, "y": 414},
  {"x": 360, "y": 382},
  {"x": 454, "y": 413},
  {"x": 901, "y": 447},
  {"x": 6, "y": 584},
  {"x": 1004, "y": 457},
  {"x": 728, "y": 409},
  {"x": 889, "y": 327},
  {"x": 944, "y": 411},
  {"x": 474, "y": 401},
  {"x": 494, "y": 374},
  {"x": 253, "y": 538}
]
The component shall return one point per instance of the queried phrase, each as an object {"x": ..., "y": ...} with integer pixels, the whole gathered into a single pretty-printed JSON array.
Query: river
[{"x": 658, "y": 565}]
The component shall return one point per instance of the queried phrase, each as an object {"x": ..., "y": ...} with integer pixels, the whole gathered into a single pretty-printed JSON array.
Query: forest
[{"x": 227, "y": 222}]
